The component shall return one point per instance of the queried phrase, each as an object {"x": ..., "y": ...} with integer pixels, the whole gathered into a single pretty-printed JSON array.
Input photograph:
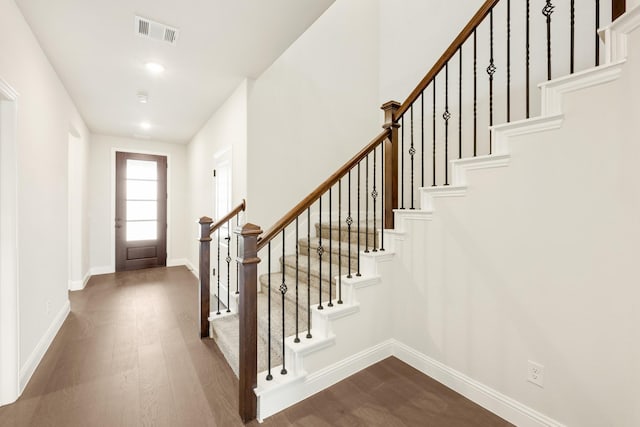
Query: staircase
[
  {"x": 313, "y": 275},
  {"x": 291, "y": 365}
]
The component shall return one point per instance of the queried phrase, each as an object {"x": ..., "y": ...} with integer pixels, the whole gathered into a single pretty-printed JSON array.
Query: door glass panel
[
  {"x": 142, "y": 190},
  {"x": 137, "y": 210},
  {"x": 141, "y": 200},
  {"x": 142, "y": 230},
  {"x": 142, "y": 169}
]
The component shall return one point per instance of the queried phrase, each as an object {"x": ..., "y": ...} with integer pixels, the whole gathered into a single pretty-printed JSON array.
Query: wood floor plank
[{"x": 129, "y": 354}]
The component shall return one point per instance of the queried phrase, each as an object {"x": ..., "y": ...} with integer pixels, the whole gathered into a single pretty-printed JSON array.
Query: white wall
[
  {"x": 78, "y": 187},
  {"x": 539, "y": 262},
  {"x": 102, "y": 198},
  {"x": 45, "y": 114},
  {"x": 314, "y": 108},
  {"x": 225, "y": 130},
  {"x": 413, "y": 35}
]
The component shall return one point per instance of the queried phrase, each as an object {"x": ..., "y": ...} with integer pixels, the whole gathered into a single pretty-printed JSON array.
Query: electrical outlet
[{"x": 535, "y": 373}]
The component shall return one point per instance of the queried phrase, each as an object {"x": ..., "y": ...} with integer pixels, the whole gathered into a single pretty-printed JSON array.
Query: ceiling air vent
[{"x": 147, "y": 28}]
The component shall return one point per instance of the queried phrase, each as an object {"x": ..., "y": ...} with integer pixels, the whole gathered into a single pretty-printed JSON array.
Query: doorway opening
[
  {"x": 141, "y": 211},
  {"x": 9, "y": 319}
]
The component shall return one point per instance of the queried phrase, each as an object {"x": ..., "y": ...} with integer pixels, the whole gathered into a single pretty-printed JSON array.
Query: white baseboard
[
  {"x": 43, "y": 345},
  {"x": 273, "y": 401},
  {"x": 192, "y": 268},
  {"x": 490, "y": 399},
  {"x": 177, "y": 262},
  {"x": 78, "y": 285},
  {"x": 107, "y": 269}
]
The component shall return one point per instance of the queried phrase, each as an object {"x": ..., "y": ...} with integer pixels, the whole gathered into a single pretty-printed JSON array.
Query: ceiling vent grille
[{"x": 147, "y": 28}]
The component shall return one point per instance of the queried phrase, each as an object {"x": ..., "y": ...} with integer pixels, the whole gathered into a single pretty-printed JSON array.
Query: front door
[{"x": 141, "y": 211}]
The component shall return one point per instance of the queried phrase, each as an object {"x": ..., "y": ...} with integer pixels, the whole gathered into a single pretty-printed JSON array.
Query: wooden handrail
[
  {"x": 320, "y": 190},
  {"x": 240, "y": 208},
  {"x": 446, "y": 56}
]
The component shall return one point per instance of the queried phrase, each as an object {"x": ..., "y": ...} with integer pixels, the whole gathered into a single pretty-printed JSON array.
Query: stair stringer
[{"x": 345, "y": 340}]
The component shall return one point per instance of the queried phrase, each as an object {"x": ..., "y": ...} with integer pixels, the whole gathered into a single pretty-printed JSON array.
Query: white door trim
[{"x": 9, "y": 292}]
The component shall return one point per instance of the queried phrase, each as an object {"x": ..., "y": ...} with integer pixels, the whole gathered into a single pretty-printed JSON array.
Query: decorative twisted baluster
[
  {"x": 283, "y": 292},
  {"x": 491, "y": 70},
  {"x": 446, "y": 116},
  {"x": 547, "y": 10}
]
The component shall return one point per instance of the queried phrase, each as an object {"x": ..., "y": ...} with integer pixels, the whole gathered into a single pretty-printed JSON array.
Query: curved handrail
[
  {"x": 446, "y": 56},
  {"x": 290, "y": 216},
  {"x": 240, "y": 208}
]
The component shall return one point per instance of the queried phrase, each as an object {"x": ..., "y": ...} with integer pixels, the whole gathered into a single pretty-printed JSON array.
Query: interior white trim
[
  {"x": 78, "y": 285},
  {"x": 105, "y": 269},
  {"x": 9, "y": 290},
  {"x": 43, "y": 345},
  {"x": 490, "y": 399}
]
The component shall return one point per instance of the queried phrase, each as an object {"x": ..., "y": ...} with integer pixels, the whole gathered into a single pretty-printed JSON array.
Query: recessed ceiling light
[
  {"x": 154, "y": 67},
  {"x": 143, "y": 97},
  {"x": 145, "y": 125}
]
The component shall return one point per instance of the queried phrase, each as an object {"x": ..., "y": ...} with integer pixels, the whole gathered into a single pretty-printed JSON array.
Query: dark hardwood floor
[{"x": 129, "y": 354}]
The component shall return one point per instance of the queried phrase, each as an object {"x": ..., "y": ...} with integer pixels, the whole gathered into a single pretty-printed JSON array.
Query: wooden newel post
[
  {"x": 390, "y": 162},
  {"x": 205, "y": 261},
  {"x": 248, "y": 313}
]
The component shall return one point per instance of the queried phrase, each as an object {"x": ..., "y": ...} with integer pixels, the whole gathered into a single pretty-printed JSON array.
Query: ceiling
[{"x": 95, "y": 50}]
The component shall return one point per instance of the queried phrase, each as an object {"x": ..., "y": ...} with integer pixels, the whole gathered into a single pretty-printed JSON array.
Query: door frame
[
  {"x": 9, "y": 290},
  {"x": 112, "y": 185}
]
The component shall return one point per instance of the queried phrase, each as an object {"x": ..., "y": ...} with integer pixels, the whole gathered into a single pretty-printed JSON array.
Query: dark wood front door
[{"x": 141, "y": 211}]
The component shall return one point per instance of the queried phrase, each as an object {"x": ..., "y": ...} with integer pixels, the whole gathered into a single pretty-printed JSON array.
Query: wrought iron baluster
[
  {"x": 383, "y": 189},
  {"x": 460, "y": 105},
  {"x": 330, "y": 304},
  {"x": 573, "y": 35},
  {"x": 358, "y": 226},
  {"x": 218, "y": 272},
  {"x": 597, "y": 36},
  {"x": 320, "y": 253},
  {"x": 269, "y": 376},
  {"x": 283, "y": 291},
  {"x": 374, "y": 196},
  {"x": 237, "y": 256},
  {"x": 366, "y": 205},
  {"x": 340, "y": 241},
  {"x": 309, "y": 272},
  {"x": 446, "y": 116},
  {"x": 434, "y": 133},
  {"x": 547, "y": 10},
  {"x": 508, "y": 61},
  {"x": 402, "y": 162},
  {"x": 228, "y": 260},
  {"x": 349, "y": 222},
  {"x": 422, "y": 139},
  {"x": 412, "y": 153},
  {"x": 475, "y": 93},
  {"x": 297, "y": 338},
  {"x": 528, "y": 60},
  {"x": 491, "y": 69}
]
